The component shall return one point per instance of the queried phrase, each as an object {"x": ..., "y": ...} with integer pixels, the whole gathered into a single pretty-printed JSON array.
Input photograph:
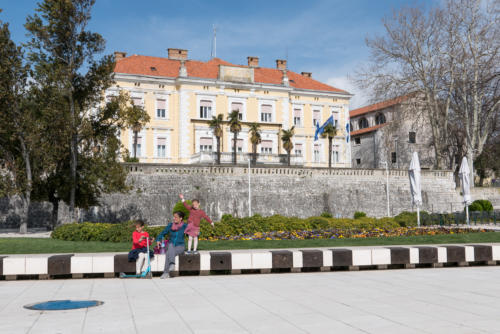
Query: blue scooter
[{"x": 146, "y": 273}]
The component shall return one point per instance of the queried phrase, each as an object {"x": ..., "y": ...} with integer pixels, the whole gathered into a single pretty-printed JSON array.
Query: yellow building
[{"x": 182, "y": 95}]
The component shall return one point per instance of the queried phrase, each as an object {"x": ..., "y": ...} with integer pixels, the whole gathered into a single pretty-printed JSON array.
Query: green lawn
[{"x": 37, "y": 246}]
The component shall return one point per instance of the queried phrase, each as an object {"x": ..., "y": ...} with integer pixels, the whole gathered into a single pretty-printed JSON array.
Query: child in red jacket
[
  {"x": 193, "y": 228},
  {"x": 139, "y": 247}
]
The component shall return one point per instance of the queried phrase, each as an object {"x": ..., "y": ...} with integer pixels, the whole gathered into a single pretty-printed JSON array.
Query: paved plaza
[{"x": 448, "y": 300}]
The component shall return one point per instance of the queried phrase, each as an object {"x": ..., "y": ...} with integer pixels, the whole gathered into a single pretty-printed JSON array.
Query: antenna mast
[{"x": 213, "y": 53}]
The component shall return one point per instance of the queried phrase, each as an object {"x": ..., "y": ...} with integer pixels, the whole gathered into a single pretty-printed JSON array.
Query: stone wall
[{"x": 298, "y": 192}]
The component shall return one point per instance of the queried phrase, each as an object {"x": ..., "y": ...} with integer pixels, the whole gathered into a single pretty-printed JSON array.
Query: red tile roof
[
  {"x": 378, "y": 106},
  {"x": 141, "y": 65},
  {"x": 367, "y": 130}
]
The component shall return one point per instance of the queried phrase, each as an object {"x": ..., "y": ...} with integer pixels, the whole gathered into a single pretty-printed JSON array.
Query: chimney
[
  {"x": 177, "y": 54},
  {"x": 120, "y": 55},
  {"x": 253, "y": 61},
  {"x": 306, "y": 74},
  {"x": 281, "y": 64}
]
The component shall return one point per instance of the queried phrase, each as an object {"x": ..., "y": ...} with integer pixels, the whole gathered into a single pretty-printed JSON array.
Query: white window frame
[
  {"x": 321, "y": 160},
  {"x": 243, "y": 101},
  {"x": 320, "y": 116},
  {"x": 244, "y": 135},
  {"x": 273, "y": 112},
  {"x": 303, "y": 153},
  {"x": 162, "y": 97},
  {"x": 166, "y": 135},
  {"x": 210, "y": 98},
  {"x": 141, "y": 134},
  {"x": 301, "y": 108},
  {"x": 336, "y": 112}
]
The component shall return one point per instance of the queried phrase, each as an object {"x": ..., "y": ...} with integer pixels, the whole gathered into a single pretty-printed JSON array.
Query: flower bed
[{"x": 343, "y": 233}]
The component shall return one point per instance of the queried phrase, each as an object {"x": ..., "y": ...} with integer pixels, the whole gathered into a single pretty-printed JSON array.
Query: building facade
[
  {"x": 182, "y": 95},
  {"x": 389, "y": 132}
]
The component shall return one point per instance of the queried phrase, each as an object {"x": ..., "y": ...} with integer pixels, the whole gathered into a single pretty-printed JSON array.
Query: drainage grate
[{"x": 57, "y": 305}]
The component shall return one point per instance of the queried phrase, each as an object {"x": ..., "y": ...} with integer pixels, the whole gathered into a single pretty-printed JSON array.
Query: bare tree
[{"x": 444, "y": 55}]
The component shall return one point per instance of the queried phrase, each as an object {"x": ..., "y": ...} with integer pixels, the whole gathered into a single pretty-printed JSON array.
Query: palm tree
[
  {"x": 216, "y": 125},
  {"x": 286, "y": 138},
  {"x": 235, "y": 128},
  {"x": 137, "y": 119},
  {"x": 329, "y": 131},
  {"x": 255, "y": 139}
]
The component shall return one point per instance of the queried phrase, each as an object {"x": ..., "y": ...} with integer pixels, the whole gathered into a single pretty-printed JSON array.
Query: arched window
[
  {"x": 363, "y": 123},
  {"x": 379, "y": 119}
]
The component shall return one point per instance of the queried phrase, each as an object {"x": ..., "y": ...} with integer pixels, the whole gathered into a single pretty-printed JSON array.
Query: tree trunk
[
  {"x": 470, "y": 158},
  {"x": 73, "y": 159},
  {"x": 54, "y": 218},
  {"x": 254, "y": 155},
  {"x": 218, "y": 150},
  {"x": 234, "y": 147},
  {"x": 330, "y": 152},
  {"x": 288, "y": 156},
  {"x": 23, "y": 228},
  {"x": 135, "y": 144}
]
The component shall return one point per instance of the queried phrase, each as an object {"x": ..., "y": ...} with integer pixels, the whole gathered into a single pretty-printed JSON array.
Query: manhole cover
[{"x": 56, "y": 305}]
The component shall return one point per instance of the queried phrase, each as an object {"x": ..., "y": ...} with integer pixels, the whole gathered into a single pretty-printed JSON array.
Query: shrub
[
  {"x": 481, "y": 205},
  {"x": 326, "y": 215},
  {"x": 180, "y": 207},
  {"x": 229, "y": 226},
  {"x": 407, "y": 219},
  {"x": 359, "y": 214}
]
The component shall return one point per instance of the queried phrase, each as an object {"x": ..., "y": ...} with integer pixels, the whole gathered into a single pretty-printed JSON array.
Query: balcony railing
[{"x": 242, "y": 158}]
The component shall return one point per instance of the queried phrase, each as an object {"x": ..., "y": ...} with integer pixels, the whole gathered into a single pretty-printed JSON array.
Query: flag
[
  {"x": 348, "y": 130},
  {"x": 320, "y": 129}
]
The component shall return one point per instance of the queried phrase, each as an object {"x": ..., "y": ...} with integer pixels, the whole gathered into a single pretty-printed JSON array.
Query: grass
[{"x": 39, "y": 245}]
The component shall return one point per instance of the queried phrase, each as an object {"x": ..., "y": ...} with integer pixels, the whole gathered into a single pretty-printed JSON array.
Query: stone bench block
[
  {"x": 262, "y": 260},
  {"x": 282, "y": 259},
  {"x": 103, "y": 264},
  {"x": 1, "y": 264},
  {"x": 189, "y": 262},
  {"x": 81, "y": 264},
  {"x": 59, "y": 264},
  {"x": 37, "y": 265},
  {"x": 121, "y": 264},
  {"x": 158, "y": 263},
  {"x": 399, "y": 255},
  {"x": 482, "y": 252},
  {"x": 442, "y": 254},
  {"x": 495, "y": 252},
  {"x": 297, "y": 259},
  {"x": 341, "y": 257},
  {"x": 455, "y": 254},
  {"x": 381, "y": 256},
  {"x": 206, "y": 261},
  {"x": 427, "y": 254},
  {"x": 327, "y": 258},
  {"x": 312, "y": 258},
  {"x": 220, "y": 261},
  {"x": 14, "y": 265},
  {"x": 414, "y": 255},
  {"x": 240, "y": 260},
  {"x": 361, "y": 257},
  {"x": 469, "y": 253}
]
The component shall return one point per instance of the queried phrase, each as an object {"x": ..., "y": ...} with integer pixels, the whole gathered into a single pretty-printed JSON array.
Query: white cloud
[{"x": 360, "y": 98}]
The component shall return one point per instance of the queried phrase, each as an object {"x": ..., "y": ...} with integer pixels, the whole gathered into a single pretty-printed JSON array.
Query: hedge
[
  {"x": 228, "y": 226},
  {"x": 481, "y": 205}
]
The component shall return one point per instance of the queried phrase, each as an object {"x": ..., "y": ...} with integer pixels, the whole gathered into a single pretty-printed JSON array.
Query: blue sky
[{"x": 326, "y": 38}]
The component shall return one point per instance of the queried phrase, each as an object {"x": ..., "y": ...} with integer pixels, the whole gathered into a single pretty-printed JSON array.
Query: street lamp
[{"x": 387, "y": 185}]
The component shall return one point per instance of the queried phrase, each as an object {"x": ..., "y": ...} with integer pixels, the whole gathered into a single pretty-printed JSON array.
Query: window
[
  {"x": 412, "y": 137},
  {"x": 316, "y": 117},
  {"x": 137, "y": 101},
  {"x": 357, "y": 140},
  {"x": 161, "y": 107},
  {"x": 317, "y": 153},
  {"x": 298, "y": 149},
  {"x": 266, "y": 113},
  {"x": 358, "y": 162},
  {"x": 161, "y": 147},
  {"x": 379, "y": 119},
  {"x": 238, "y": 106},
  {"x": 297, "y": 117},
  {"x": 205, "y": 144},
  {"x": 205, "y": 109},
  {"x": 266, "y": 147},
  {"x": 335, "y": 153},
  {"x": 239, "y": 145},
  {"x": 363, "y": 123},
  {"x": 350, "y": 127},
  {"x": 139, "y": 142},
  {"x": 393, "y": 157}
]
